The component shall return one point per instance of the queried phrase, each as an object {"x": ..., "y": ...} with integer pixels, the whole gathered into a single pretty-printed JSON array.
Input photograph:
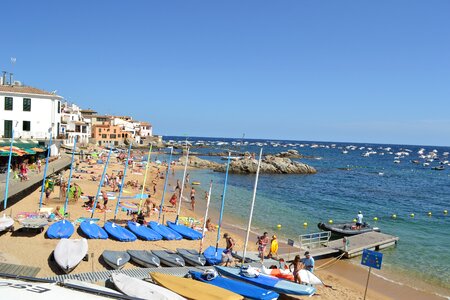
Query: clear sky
[{"x": 359, "y": 71}]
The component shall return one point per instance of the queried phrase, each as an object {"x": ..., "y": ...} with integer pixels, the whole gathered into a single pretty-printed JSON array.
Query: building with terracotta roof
[{"x": 33, "y": 112}]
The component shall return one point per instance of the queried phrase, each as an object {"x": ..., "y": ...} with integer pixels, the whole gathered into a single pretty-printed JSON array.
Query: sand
[{"x": 34, "y": 249}]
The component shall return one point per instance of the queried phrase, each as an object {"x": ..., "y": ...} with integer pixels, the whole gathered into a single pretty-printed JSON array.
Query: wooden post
[{"x": 367, "y": 283}]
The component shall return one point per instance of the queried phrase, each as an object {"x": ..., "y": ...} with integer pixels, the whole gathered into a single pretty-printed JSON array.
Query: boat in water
[{"x": 347, "y": 229}]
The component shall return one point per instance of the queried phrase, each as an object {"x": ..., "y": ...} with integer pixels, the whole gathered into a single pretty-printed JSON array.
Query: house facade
[
  {"x": 74, "y": 125},
  {"x": 32, "y": 112}
]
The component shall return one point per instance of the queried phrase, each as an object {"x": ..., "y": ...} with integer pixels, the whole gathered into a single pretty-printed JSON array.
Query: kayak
[
  {"x": 119, "y": 233},
  {"x": 169, "y": 258},
  {"x": 116, "y": 259},
  {"x": 192, "y": 289},
  {"x": 60, "y": 230},
  {"x": 185, "y": 231},
  {"x": 165, "y": 232},
  {"x": 213, "y": 257},
  {"x": 143, "y": 232},
  {"x": 347, "y": 229},
  {"x": 268, "y": 282},
  {"x": 92, "y": 230},
  {"x": 305, "y": 275},
  {"x": 69, "y": 253},
  {"x": 192, "y": 257},
  {"x": 141, "y": 289},
  {"x": 144, "y": 258},
  {"x": 279, "y": 273},
  {"x": 247, "y": 290}
]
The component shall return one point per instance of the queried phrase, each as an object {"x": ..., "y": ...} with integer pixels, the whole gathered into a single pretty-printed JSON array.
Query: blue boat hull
[
  {"x": 93, "y": 231},
  {"x": 212, "y": 257},
  {"x": 269, "y": 282},
  {"x": 119, "y": 233},
  {"x": 60, "y": 230},
  {"x": 165, "y": 232},
  {"x": 143, "y": 232},
  {"x": 186, "y": 232},
  {"x": 245, "y": 289}
]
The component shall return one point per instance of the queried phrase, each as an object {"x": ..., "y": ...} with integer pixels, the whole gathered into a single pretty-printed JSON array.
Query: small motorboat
[
  {"x": 438, "y": 168},
  {"x": 347, "y": 229}
]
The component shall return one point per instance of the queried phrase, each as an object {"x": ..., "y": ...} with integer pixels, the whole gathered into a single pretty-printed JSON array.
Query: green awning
[{"x": 23, "y": 144}]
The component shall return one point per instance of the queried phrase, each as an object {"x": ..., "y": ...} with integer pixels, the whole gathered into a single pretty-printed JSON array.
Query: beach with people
[{"x": 343, "y": 280}]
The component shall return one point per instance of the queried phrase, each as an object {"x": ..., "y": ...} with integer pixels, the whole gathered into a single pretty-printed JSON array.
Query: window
[
  {"x": 26, "y": 126},
  {"x": 59, "y": 107},
  {"x": 84, "y": 129},
  {"x": 103, "y": 136},
  {"x": 8, "y": 103},
  {"x": 114, "y": 131},
  {"x": 8, "y": 129},
  {"x": 99, "y": 130},
  {"x": 26, "y": 104},
  {"x": 113, "y": 136},
  {"x": 77, "y": 128}
]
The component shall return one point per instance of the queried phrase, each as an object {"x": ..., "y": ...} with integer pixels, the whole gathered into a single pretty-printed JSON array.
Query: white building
[
  {"x": 32, "y": 112},
  {"x": 73, "y": 125}
]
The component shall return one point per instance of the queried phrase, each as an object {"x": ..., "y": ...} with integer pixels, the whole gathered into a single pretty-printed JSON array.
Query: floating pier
[{"x": 355, "y": 246}]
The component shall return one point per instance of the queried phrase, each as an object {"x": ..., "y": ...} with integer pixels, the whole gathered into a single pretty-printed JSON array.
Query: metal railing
[{"x": 314, "y": 240}]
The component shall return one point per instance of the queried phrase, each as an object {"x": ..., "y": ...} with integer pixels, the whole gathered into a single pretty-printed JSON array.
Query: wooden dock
[{"x": 357, "y": 243}]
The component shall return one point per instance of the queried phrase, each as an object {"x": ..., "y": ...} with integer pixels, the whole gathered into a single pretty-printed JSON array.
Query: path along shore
[{"x": 29, "y": 248}]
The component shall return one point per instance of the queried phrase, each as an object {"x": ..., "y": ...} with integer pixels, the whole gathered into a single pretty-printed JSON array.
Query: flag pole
[
  {"x": 45, "y": 170},
  {"x": 5, "y": 200}
]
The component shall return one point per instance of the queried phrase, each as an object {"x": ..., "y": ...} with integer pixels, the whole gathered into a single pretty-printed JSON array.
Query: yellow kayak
[{"x": 193, "y": 289}]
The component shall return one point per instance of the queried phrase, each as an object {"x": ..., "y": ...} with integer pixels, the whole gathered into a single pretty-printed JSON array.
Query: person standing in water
[{"x": 193, "y": 199}]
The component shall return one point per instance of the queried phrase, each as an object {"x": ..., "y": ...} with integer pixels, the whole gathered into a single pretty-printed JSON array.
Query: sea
[{"x": 378, "y": 179}]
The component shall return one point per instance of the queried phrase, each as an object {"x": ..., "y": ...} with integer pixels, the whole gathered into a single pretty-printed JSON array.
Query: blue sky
[{"x": 361, "y": 71}]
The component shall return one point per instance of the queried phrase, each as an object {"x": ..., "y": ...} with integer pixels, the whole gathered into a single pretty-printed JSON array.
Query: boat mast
[
  {"x": 223, "y": 201},
  {"x": 206, "y": 216},
  {"x": 70, "y": 175},
  {"x": 94, "y": 206},
  {"x": 5, "y": 200},
  {"x": 182, "y": 185},
  {"x": 145, "y": 177},
  {"x": 165, "y": 185},
  {"x": 45, "y": 170},
  {"x": 251, "y": 209},
  {"x": 123, "y": 182}
]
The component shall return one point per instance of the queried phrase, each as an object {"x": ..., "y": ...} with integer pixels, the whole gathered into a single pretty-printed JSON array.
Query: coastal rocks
[
  {"x": 289, "y": 154},
  {"x": 269, "y": 165},
  {"x": 196, "y": 162}
]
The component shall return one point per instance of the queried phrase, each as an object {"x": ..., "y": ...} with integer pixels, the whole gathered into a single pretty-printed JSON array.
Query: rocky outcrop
[
  {"x": 269, "y": 165},
  {"x": 196, "y": 162},
  {"x": 289, "y": 154}
]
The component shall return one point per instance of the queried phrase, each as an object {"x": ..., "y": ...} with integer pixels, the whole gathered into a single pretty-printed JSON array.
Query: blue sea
[{"x": 364, "y": 178}]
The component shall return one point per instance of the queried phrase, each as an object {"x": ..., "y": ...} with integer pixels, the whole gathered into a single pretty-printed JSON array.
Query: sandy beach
[{"x": 34, "y": 249}]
